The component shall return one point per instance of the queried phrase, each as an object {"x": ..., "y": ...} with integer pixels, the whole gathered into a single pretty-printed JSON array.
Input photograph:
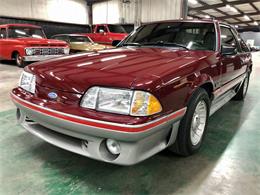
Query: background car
[
  {"x": 80, "y": 43},
  {"x": 27, "y": 43},
  {"x": 107, "y": 33}
]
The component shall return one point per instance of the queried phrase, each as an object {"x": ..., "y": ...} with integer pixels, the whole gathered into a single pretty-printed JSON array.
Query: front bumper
[
  {"x": 39, "y": 57},
  {"x": 87, "y": 137}
]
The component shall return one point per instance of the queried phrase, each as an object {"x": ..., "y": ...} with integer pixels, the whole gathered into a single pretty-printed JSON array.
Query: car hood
[
  {"x": 41, "y": 42},
  {"x": 126, "y": 67}
]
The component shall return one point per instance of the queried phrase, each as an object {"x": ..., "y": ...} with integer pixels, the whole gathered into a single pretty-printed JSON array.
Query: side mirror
[
  {"x": 115, "y": 42},
  {"x": 228, "y": 50},
  {"x": 252, "y": 49}
]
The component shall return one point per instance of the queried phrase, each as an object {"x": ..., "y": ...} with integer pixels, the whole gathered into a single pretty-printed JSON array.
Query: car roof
[
  {"x": 185, "y": 20},
  {"x": 19, "y": 25}
]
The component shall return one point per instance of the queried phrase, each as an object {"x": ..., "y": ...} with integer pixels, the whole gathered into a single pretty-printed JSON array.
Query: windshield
[
  {"x": 116, "y": 28},
  {"x": 25, "y": 32},
  {"x": 185, "y": 35},
  {"x": 79, "y": 39}
]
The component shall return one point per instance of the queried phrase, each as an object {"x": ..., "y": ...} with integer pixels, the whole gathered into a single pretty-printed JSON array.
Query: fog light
[{"x": 113, "y": 146}]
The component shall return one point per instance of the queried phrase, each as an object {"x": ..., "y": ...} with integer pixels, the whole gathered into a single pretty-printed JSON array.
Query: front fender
[
  {"x": 199, "y": 80},
  {"x": 20, "y": 49}
]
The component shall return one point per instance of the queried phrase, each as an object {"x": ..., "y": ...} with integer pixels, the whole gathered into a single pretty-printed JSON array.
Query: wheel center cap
[{"x": 196, "y": 122}]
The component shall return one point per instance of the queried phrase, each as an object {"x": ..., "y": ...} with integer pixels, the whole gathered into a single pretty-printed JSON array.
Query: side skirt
[{"x": 221, "y": 101}]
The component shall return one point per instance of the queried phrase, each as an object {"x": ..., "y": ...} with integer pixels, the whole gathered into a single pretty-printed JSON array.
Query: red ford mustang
[{"x": 156, "y": 90}]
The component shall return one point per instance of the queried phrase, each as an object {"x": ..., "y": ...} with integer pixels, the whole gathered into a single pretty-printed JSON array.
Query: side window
[
  {"x": 101, "y": 29},
  {"x": 66, "y": 39},
  {"x": 227, "y": 37},
  {"x": 2, "y": 33}
]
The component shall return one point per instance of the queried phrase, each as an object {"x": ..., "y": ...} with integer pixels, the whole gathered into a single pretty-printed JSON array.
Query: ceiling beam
[
  {"x": 238, "y": 15},
  {"x": 216, "y": 9},
  {"x": 256, "y": 9},
  {"x": 245, "y": 22},
  {"x": 205, "y": 6},
  {"x": 224, "y": 1},
  {"x": 219, "y": 5}
]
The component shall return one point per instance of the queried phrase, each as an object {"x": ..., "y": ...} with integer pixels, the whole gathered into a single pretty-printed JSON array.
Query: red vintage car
[
  {"x": 27, "y": 43},
  {"x": 156, "y": 90},
  {"x": 107, "y": 33}
]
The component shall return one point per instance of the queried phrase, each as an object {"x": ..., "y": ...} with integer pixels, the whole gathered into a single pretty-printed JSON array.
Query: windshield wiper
[
  {"x": 159, "y": 43},
  {"x": 162, "y": 43},
  {"x": 132, "y": 44}
]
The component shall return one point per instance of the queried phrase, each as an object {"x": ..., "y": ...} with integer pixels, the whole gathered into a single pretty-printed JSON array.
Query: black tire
[
  {"x": 241, "y": 94},
  {"x": 19, "y": 61},
  {"x": 183, "y": 144}
]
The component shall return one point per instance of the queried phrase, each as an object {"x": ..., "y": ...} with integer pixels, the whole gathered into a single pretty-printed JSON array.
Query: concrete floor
[{"x": 228, "y": 163}]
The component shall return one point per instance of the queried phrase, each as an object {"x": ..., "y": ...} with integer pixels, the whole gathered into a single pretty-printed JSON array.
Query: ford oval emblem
[{"x": 52, "y": 95}]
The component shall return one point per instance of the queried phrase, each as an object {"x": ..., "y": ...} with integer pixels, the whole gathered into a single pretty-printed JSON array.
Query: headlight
[
  {"x": 27, "y": 82},
  {"x": 29, "y": 51},
  {"x": 66, "y": 50},
  {"x": 135, "y": 103}
]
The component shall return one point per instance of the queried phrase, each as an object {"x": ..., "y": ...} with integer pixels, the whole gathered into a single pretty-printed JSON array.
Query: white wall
[
  {"x": 68, "y": 11},
  {"x": 252, "y": 36},
  {"x": 106, "y": 12},
  {"x": 153, "y": 10},
  {"x": 136, "y": 11}
]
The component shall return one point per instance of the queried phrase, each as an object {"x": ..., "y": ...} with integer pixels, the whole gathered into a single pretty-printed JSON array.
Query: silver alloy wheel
[
  {"x": 245, "y": 85},
  {"x": 198, "y": 123}
]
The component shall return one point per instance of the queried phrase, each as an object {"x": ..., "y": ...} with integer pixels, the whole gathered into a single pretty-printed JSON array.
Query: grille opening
[
  {"x": 28, "y": 120},
  {"x": 85, "y": 143},
  {"x": 48, "y": 51}
]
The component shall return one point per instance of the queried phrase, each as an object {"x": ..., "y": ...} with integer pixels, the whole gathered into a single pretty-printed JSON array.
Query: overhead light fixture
[
  {"x": 256, "y": 23},
  {"x": 228, "y": 6},
  {"x": 231, "y": 8},
  {"x": 246, "y": 17},
  {"x": 207, "y": 16},
  {"x": 236, "y": 26},
  {"x": 194, "y": 2}
]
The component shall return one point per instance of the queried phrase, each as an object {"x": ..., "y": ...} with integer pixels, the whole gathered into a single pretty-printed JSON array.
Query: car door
[
  {"x": 107, "y": 38},
  {"x": 101, "y": 34},
  {"x": 245, "y": 56},
  {"x": 230, "y": 63}
]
